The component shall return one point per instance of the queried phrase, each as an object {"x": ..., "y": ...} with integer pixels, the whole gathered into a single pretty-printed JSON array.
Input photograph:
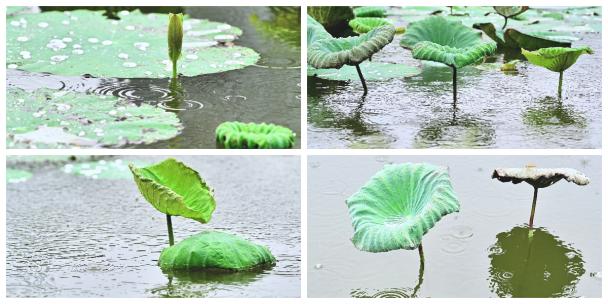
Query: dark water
[
  {"x": 70, "y": 236},
  {"x": 494, "y": 110},
  {"x": 266, "y": 92},
  {"x": 482, "y": 251}
]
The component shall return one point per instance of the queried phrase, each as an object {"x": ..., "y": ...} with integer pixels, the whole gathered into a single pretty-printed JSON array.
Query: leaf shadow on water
[
  {"x": 533, "y": 263},
  {"x": 455, "y": 130},
  {"x": 203, "y": 283},
  {"x": 551, "y": 111}
]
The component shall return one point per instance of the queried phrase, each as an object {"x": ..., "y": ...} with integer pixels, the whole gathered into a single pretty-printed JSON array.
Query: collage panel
[
  {"x": 454, "y": 226},
  {"x": 153, "y": 77},
  {"x": 153, "y": 226},
  {"x": 454, "y": 77}
]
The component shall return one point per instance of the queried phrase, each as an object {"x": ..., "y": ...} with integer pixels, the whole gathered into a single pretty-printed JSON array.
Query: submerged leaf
[
  {"x": 369, "y": 11},
  {"x": 175, "y": 189},
  {"x": 539, "y": 177},
  {"x": 336, "y": 52},
  {"x": 240, "y": 135},
  {"x": 215, "y": 250},
  {"x": 373, "y": 71},
  {"x": 82, "y": 42},
  {"x": 61, "y": 119},
  {"x": 449, "y": 42},
  {"x": 399, "y": 205},
  {"x": 362, "y": 25},
  {"x": 556, "y": 59}
]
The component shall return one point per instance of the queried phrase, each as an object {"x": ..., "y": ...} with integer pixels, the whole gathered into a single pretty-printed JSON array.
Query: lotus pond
[
  {"x": 484, "y": 250},
  {"x": 100, "y": 77},
  {"x": 78, "y": 227},
  {"x": 409, "y": 102}
]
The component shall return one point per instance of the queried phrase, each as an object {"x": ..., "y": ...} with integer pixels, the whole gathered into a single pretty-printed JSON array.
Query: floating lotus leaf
[
  {"x": 215, "y": 250},
  {"x": 102, "y": 169},
  {"x": 76, "y": 42},
  {"x": 369, "y": 11},
  {"x": 540, "y": 177},
  {"x": 61, "y": 119},
  {"x": 175, "y": 189},
  {"x": 398, "y": 205},
  {"x": 556, "y": 59},
  {"x": 14, "y": 176},
  {"x": 373, "y": 70},
  {"x": 448, "y": 42},
  {"x": 514, "y": 39},
  {"x": 315, "y": 31},
  {"x": 240, "y": 135},
  {"x": 336, "y": 52},
  {"x": 533, "y": 263},
  {"x": 362, "y": 25}
]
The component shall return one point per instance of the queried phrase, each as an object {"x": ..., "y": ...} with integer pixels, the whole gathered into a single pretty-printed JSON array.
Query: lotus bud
[{"x": 175, "y": 36}]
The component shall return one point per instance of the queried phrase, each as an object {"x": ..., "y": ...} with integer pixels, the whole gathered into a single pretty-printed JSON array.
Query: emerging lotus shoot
[
  {"x": 539, "y": 178},
  {"x": 400, "y": 204},
  {"x": 175, "y": 37},
  {"x": 556, "y": 59}
]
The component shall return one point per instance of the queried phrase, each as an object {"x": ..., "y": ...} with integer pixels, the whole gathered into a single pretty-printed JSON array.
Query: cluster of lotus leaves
[
  {"x": 337, "y": 52},
  {"x": 362, "y": 25},
  {"x": 175, "y": 189},
  {"x": 515, "y": 39},
  {"x": 540, "y": 177},
  {"x": 449, "y": 42},
  {"x": 400, "y": 204},
  {"x": 556, "y": 59},
  {"x": 215, "y": 250},
  {"x": 47, "y": 118},
  {"x": 369, "y": 11},
  {"x": 240, "y": 135},
  {"x": 76, "y": 42}
]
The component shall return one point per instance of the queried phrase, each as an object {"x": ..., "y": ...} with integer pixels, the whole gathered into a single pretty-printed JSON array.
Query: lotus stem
[
  {"x": 559, "y": 86},
  {"x": 505, "y": 24},
  {"x": 170, "y": 230},
  {"x": 533, "y": 208},
  {"x": 362, "y": 79},
  {"x": 454, "y": 86},
  {"x": 420, "y": 272}
]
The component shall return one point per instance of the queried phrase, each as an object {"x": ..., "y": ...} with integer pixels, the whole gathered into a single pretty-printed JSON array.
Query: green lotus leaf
[
  {"x": 539, "y": 177},
  {"x": 448, "y": 42},
  {"x": 398, "y": 205},
  {"x": 510, "y": 11},
  {"x": 215, "y": 250},
  {"x": 369, "y": 11},
  {"x": 315, "y": 31},
  {"x": 175, "y": 189},
  {"x": 59, "y": 119},
  {"x": 556, "y": 59},
  {"x": 14, "y": 176},
  {"x": 240, "y": 135},
  {"x": 512, "y": 38},
  {"x": 135, "y": 46},
  {"x": 533, "y": 263},
  {"x": 337, "y": 52},
  {"x": 375, "y": 71},
  {"x": 102, "y": 169},
  {"x": 362, "y": 25},
  {"x": 333, "y": 18}
]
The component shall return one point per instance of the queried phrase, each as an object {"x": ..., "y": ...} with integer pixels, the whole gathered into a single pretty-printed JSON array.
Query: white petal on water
[
  {"x": 130, "y": 28},
  {"x": 106, "y": 42},
  {"x": 142, "y": 46},
  {"x": 12, "y": 66},
  {"x": 43, "y": 24},
  {"x": 56, "y": 44},
  {"x": 67, "y": 39},
  {"x": 93, "y": 40},
  {"x": 123, "y": 56},
  {"x": 22, "y": 39},
  {"x": 59, "y": 58},
  {"x": 191, "y": 57},
  {"x": 25, "y": 54},
  {"x": 78, "y": 51},
  {"x": 129, "y": 64}
]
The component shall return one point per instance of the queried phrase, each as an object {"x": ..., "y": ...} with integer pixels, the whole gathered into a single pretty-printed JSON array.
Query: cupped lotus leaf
[
  {"x": 369, "y": 11},
  {"x": 333, "y": 18},
  {"x": 240, "y": 135},
  {"x": 337, "y": 52},
  {"x": 175, "y": 189},
  {"x": 533, "y": 263},
  {"x": 398, "y": 205},
  {"x": 514, "y": 39},
  {"x": 74, "y": 43},
  {"x": 374, "y": 71},
  {"x": 315, "y": 31},
  {"x": 14, "y": 176},
  {"x": 556, "y": 59},
  {"x": 539, "y": 177},
  {"x": 362, "y": 25},
  {"x": 215, "y": 250},
  {"x": 60, "y": 119},
  {"x": 448, "y": 42},
  {"x": 102, "y": 169},
  {"x": 510, "y": 11}
]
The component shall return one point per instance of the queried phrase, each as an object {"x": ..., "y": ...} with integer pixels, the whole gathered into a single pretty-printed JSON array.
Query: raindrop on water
[
  {"x": 93, "y": 40},
  {"x": 59, "y": 58},
  {"x": 78, "y": 51},
  {"x": 106, "y": 42},
  {"x": 25, "y": 54},
  {"x": 56, "y": 44},
  {"x": 129, "y": 64},
  {"x": 123, "y": 56},
  {"x": 142, "y": 46},
  {"x": 43, "y": 24},
  {"x": 22, "y": 39}
]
